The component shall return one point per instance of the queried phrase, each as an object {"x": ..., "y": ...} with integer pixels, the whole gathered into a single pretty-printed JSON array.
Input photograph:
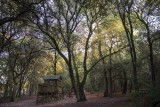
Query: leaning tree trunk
[
  {"x": 71, "y": 74},
  {"x": 81, "y": 93}
]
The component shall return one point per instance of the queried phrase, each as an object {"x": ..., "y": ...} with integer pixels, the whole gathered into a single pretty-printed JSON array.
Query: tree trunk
[
  {"x": 13, "y": 93},
  {"x": 152, "y": 67},
  {"x": 31, "y": 89},
  {"x": 81, "y": 93},
  {"x": 130, "y": 86},
  {"x": 110, "y": 72},
  {"x": 106, "y": 84},
  {"x": 55, "y": 63},
  {"x": 124, "y": 90},
  {"x": 110, "y": 83},
  {"x": 104, "y": 70},
  {"x": 20, "y": 87},
  {"x": 73, "y": 82},
  {"x": 6, "y": 89},
  {"x": 92, "y": 81},
  {"x": 71, "y": 74},
  {"x": 134, "y": 62}
]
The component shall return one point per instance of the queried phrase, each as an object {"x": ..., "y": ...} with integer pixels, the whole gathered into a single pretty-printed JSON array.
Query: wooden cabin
[{"x": 51, "y": 89}]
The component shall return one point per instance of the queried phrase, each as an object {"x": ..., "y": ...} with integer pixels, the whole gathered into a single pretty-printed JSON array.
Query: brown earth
[{"x": 93, "y": 100}]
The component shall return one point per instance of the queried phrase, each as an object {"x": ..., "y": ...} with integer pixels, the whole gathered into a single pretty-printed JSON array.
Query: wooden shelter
[
  {"x": 50, "y": 89},
  {"x": 53, "y": 79}
]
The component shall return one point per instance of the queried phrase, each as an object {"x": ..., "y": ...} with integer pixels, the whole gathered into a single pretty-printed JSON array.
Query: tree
[
  {"x": 144, "y": 18},
  {"x": 20, "y": 55},
  {"x": 15, "y": 10},
  {"x": 66, "y": 18},
  {"x": 125, "y": 12},
  {"x": 110, "y": 34},
  {"x": 13, "y": 13},
  {"x": 62, "y": 22}
]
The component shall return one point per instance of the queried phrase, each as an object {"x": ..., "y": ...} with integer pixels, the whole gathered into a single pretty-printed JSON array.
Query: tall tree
[
  {"x": 125, "y": 12},
  {"x": 144, "y": 17},
  {"x": 62, "y": 22},
  {"x": 110, "y": 34}
]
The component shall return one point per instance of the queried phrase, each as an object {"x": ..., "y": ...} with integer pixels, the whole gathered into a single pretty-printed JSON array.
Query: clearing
[{"x": 93, "y": 100}]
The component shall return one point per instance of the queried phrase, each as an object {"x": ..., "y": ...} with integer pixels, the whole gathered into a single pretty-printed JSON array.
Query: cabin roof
[{"x": 52, "y": 77}]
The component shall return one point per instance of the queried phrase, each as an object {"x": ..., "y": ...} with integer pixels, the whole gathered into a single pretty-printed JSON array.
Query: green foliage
[
  {"x": 146, "y": 98},
  {"x": 137, "y": 100}
]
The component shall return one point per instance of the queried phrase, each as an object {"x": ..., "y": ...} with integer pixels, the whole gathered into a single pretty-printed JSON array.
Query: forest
[{"x": 97, "y": 46}]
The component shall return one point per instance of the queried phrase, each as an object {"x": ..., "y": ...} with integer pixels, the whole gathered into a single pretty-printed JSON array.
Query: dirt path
[{"x": 94, "y": 100}]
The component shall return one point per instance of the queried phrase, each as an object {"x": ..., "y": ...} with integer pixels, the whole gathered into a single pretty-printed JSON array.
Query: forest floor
[{"x": 93, "y": 100}]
